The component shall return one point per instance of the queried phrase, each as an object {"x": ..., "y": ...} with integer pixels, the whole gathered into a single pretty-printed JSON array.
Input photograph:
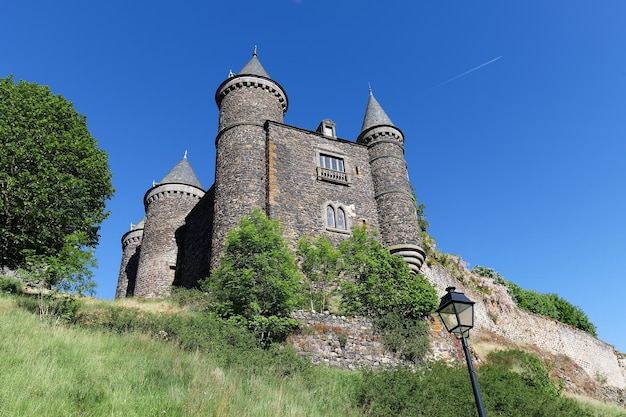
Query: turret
[
  {"x": 245, "y": 101},
  {"x": 397, "y": 214},
  {"x": 166, "y": 203},
  {"x": 131, "y": 249}
]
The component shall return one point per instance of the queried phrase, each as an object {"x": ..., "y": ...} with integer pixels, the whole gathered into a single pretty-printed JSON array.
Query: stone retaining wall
[{"x": 351, "y": 343}]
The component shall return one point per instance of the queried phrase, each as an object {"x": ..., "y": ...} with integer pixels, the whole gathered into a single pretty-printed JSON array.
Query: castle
[{"x": 311, "y": 181}]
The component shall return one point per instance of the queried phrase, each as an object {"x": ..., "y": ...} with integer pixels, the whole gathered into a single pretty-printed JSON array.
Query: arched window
[
  {"x": 341, "y": 219},
  {"x": 330, "y": 216},
  {"x": 335, "y": 217}
]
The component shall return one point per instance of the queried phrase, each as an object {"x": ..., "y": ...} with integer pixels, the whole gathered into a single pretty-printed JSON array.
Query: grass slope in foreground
[{"x": 54, "y": 370}]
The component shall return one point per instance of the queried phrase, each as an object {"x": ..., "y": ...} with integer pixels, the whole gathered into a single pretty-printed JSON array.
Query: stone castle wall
[
  {"x": 194, "y": 253},
  {"x": 351, "y": 342},
  {"x": 297, "y": 198}
]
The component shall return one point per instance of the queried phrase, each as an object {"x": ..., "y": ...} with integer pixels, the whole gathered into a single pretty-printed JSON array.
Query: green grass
[
  {"x": 51, "y": 369},
  {"x": 117, "y": 362}
]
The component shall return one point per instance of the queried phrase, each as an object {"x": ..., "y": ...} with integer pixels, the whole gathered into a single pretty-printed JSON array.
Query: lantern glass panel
[
  {"x": 466, "y": 315},
  {"x": 449, "y": 317}
]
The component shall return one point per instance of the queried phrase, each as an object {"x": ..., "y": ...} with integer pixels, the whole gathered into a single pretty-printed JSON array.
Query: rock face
[{"x": 497, "y": 313}]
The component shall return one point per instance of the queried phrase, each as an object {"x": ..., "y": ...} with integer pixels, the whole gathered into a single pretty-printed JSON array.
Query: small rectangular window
[
  {"x": 333, "y": 169},
  {"x": 331, "y": 162}
]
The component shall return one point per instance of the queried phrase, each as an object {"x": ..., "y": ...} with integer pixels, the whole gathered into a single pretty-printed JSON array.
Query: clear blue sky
[{"x": 519, "y": 161}]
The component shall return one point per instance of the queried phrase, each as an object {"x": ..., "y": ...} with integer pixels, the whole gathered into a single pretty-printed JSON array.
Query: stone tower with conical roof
[
  {"x": 167, "y": 204},
  {"x": 246, "y": 101},
  {"x": 312, "y": 181},
  {"x": 397, "y": 214}
]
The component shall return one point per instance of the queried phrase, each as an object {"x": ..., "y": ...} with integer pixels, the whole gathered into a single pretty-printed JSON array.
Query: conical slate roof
[
  {"x": 254, "y": 67},
  {"x": 182, "y": 173},
  {"x": 374, "y": 114}
]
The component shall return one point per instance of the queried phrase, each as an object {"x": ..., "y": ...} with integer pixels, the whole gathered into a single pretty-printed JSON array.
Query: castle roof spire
[
  {"x": 254, "y": 67},
  {"x": 182, "y": 173},
  {"x": 374, "y": 113}
]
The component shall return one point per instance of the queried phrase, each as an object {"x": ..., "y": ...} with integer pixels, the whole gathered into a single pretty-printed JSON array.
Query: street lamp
[{"x": 457, "y": 313}]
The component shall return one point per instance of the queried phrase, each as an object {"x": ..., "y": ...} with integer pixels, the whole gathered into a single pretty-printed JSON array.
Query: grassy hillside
[
  {"x": 50, "y": 369},
  {"x": 157, "y": 359}
]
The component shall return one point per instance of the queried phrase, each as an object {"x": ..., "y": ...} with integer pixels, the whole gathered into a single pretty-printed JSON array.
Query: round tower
[
  {"x": 397, "y": 213},
  {"x": 131, "y": 249},
  {"x": 167, "y": 204},
  {"x": 245, "y": 101}
]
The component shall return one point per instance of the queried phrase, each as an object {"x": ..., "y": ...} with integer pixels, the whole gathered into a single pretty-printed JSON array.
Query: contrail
[{"x": 467, "y": 72}]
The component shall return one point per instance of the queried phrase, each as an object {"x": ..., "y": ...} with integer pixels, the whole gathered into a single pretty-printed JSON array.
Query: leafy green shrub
[
  {"x": 190, "y": 297},
  {"x": 442, "y": 390},
  {"x": 52, "y": 305},
  {"x": 408, "y": 337},
  {"x": 425, "y": 392},
  {"x": 483, "y": 271},
  {"x": 319, "y": 261},
  {"x": 528, "y": 366},
  {"x": 376, "y": 282},
  {"x": 572, "y": 315},
  {"x": 69, "y": 270},
  {"x": 379, "y": 285},
  {"x": 11, "y": 285},
  {"x": 257, "y": 278}
]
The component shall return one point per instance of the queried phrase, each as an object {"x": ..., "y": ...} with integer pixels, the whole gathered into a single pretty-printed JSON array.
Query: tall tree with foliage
[
  {"x": 377, "y": 282},
  {"x": 54, "y": 180},
  {"x": 257, "y": 280},
  {"x": 319, "y": 262},
  {"x": 379, "y": 285}
]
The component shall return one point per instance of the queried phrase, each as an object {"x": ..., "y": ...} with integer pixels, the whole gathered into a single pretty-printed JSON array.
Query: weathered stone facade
[
  {"x": 299, "y": 198},
  {"x": 311, "y": 181}
]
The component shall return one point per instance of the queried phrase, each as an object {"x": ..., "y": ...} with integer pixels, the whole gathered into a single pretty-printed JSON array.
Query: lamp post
[{"x": 457, "y": 313}]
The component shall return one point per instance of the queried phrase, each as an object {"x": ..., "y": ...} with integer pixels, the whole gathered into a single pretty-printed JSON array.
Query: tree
[
  {"x": 54, "y": 181},
  {"x": 69, "y": 270},
  {"x": 377, "y": 283},
  {"x": 257, "y": 280},
  {"x": 319, "y": 262}
]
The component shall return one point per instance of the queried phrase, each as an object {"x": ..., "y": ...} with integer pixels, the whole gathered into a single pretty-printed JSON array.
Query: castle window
[
  {"x": 331, "y": 162},
  {"x": 335, "y": 219},
  {"x": 332, "y": 168},
  {"x": 341, "y": 219},
  {"x": 327, "y": 128},
  {"x": 330, "y": 216}
]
